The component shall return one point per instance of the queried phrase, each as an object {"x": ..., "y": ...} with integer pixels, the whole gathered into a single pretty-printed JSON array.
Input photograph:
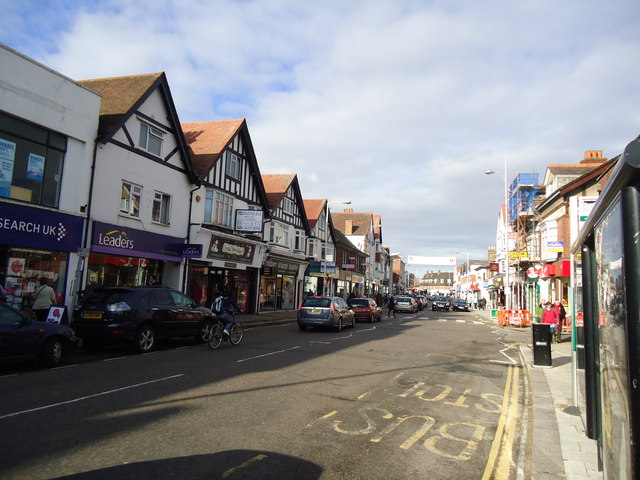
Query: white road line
[
  {"x": 75, "y": 400},
  {"x": 267, "y": 354}
]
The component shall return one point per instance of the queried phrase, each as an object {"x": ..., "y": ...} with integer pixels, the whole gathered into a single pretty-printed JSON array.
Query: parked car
[
  {"x": 22, "y": 338},
  {"x": 460, "y": 304},
  {"x": 405, "y": 304},
  {"x": 142, "y": 315},
  {"x": 421, "y": 301},
  {"x": 325, "y": 312},
  {"x": 365, "y": 309},
  {"x": 440, "y": 303}
]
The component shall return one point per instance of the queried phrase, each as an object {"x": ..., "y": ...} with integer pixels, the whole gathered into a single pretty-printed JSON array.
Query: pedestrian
[
  {"x": 562, "y": 314},
  {"x": 43, "y": 297},
  {"x": 391, "y": 305},
  {"x": 550, "y": 317}
]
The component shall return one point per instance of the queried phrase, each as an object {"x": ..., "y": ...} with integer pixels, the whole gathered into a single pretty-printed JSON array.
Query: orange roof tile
[{"x": 207, "y": 140}]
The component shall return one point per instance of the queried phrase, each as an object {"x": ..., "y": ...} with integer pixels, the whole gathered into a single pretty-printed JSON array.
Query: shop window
[
  {"x": 31, "y": 161},
  {"x": 218, "y": 209},
  {"x": 151, "y": 139},
  {"x": 161, "y": 208},
  {"x": 130, "y": 197},
  {"x": 22, "y": 269}
]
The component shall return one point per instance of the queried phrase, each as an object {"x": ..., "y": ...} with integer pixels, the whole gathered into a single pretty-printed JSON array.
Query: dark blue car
[{"x": 24, "y": 339}]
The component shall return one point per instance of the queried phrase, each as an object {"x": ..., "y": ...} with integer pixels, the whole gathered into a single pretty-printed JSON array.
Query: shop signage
[
  {"x": 118, "y": 240},
  {"x": 494, "y": 267},
  {"x": 191, "y": 250},
  {"x": 249, "y": 221},
  {"x": 221, "y": 248},
  {"x": 36, "y": 228},
  {"x": 280, "y": 266},
  {"x": 557, "y": 247}
]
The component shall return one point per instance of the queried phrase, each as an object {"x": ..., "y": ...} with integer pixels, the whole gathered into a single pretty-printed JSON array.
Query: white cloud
[{"x": 397, "y": 106}]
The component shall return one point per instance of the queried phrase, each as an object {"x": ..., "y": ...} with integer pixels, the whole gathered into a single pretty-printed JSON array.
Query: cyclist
[{"x": 226, "y": 311}]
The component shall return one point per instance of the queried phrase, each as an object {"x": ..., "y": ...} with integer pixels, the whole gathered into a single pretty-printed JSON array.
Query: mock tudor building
[
  {"x": 282, "y": 279},
  {"x": 228, "y": 214},
  {"x": 141, "y": 185}
]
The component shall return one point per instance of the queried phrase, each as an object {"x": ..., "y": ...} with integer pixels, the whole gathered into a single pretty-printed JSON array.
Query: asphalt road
[{"x": 433, "y": 395}]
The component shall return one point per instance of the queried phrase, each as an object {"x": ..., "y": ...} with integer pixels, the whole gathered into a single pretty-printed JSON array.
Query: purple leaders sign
[{"x": 129, "y": 242}]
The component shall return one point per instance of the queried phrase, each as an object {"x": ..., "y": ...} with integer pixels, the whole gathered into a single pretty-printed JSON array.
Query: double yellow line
[{"x": 500, "y": 468}]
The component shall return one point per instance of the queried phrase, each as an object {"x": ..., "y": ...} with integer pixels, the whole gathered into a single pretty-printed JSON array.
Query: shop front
[
  {"x": 278, "y": 282},
  {"x": 35, "y": 244},
  {"x": 125, "y": 257},
  {"x": 230, "y": 264}
]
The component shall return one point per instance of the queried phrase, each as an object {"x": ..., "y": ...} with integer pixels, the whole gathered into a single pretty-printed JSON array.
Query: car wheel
[
  {"x": 339, "y": 327},
  {"x": 52, "y": 352},
  {"x": 145, "y": 339},
  {"x": 372, "y": 319},
  {"x": 206, "y": 331}
]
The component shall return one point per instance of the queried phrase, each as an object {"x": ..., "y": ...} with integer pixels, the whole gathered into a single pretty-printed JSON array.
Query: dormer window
[{"x": 151, "y": 139}]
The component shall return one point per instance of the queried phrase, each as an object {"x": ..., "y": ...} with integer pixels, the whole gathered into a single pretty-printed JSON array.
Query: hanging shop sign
[
  {"x": 556, "y": 247},
  {"x": 191, "y": 250},
  {"x": 38, "y": 228},
  {"x": 118, "y": 240}
]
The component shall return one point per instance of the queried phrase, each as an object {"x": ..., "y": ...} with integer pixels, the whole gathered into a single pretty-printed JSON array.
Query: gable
[
  {"x": 128, "y": 102},
  {"x": 224, "y": 159}
]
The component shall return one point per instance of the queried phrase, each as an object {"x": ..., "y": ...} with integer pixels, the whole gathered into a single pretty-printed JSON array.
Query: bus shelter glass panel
[{"x": 616, "y": 436}]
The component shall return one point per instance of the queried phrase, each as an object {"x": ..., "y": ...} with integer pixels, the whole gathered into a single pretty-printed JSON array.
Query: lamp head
[{"x": 489, "y": 172}]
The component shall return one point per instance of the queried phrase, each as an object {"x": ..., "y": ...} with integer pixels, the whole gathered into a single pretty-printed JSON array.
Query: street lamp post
[
  {"x": 507, "y": 285},
  {"x": 326, "y": 243}
]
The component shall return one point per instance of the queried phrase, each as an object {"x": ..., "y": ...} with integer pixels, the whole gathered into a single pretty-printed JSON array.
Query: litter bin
[{"x": 541, "y": 344}]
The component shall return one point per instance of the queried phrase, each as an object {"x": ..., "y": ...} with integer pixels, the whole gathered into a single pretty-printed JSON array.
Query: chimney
[
  {"x": 348, "y": 210},
  {"x": 348, "y": 227},
  {"x": 593, "y": 157}
]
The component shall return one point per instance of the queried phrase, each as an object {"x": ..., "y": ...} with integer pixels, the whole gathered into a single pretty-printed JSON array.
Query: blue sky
[{"x": 398, "y": 105}]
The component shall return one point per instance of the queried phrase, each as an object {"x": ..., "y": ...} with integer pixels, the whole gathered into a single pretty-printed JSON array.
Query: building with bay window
[{"x": 228, "y": 213}]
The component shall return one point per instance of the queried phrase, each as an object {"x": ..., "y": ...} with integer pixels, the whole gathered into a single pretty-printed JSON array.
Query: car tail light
[{"x": 118, "y": 307}]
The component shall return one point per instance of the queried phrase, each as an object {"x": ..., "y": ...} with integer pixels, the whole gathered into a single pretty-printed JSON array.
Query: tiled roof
[
  {"x": 119, "y": 96},
  {"x": 313, "y": 208},
  {"x": 276, "y": 185},
  {"x": 207, "y": 140},
  {"x": 360, "y": 222}
]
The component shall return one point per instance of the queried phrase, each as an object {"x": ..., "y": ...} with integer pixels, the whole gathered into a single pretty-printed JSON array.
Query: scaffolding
[{"x": 523, "y": 192}]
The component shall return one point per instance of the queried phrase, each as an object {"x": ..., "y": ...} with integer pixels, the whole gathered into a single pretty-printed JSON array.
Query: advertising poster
[
  {"x": 35, "y": 167},
  {"x": 7, "y": 156}
]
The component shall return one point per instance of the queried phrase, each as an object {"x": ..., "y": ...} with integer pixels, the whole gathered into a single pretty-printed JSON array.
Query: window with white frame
[
  {"x": 130, "y": 198},
  {"x": 279, "y": 234},
  {"x": 298, "y": 242},
  {"x": 312, "y": 247},
  {"x": 233, "y": 165},
  {"x": 218, "y": 209},
  {"x": 288, "y": 206},
  {"x": 151, "y": 139},
  {"x": 161, "y": 212}
]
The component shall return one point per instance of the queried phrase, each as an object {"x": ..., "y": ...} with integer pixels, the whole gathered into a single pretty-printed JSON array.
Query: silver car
[
  {"x": 406, "y": 304},
  {"x": 330, "y": 312}
]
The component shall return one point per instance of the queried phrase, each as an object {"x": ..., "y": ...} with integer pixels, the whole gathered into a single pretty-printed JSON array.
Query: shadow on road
[{"x": 238, "y": 464}]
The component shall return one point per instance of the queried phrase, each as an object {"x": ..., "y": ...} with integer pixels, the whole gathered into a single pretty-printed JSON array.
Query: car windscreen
[
  {"x": 439, "y": 299},
  {"x": 317, "y": 302},
  {"x": 357, "y": 302}
]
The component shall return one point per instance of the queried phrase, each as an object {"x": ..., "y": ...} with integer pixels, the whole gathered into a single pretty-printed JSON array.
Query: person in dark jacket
[
  {"x": 392, "y": 307},
  {"x": 228, "y": 307}
]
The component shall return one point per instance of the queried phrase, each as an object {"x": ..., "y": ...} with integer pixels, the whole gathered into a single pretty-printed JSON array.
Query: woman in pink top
[{"x": 550, "y": 316}]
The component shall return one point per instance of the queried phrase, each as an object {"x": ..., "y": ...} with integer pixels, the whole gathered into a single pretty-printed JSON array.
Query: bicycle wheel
[
  {"x": 216, "y": 336},
  {"x": 235, "y": 336}
]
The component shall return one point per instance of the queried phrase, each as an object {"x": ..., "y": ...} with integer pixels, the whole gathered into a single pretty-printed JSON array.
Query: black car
[
  {"x": 22, "y": 338},
  {"x": 460, "y": 304},
  {"x": 440, "y": 303},
  {"x": 142, "y": 315}
]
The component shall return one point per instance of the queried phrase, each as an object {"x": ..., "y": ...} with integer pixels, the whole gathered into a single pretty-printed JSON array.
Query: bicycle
[{"x": 218, "y": 336}]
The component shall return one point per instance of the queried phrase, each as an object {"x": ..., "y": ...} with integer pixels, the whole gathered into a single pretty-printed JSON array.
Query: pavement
[{"x": 557, "y": 446}]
